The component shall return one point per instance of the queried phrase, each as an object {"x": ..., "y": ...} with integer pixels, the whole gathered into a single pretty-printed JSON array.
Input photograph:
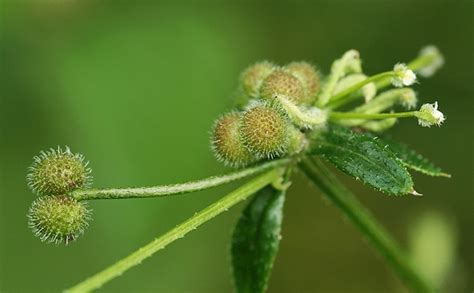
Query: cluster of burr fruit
[{"x": 274, "y": 110}]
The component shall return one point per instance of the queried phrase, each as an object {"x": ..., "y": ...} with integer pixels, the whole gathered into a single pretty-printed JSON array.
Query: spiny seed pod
[
  {"x": 297, "y": 141},
  {"x": 58, "y": 172},
  {"x": 264, "y": 130},
  {"x": 58, "y": 219},
  {"x": 282, "y": 82},
  {"x": 226, "y": 144},
  {"x": 252, "y": 77},
  {"x": 308, "y": 76}
]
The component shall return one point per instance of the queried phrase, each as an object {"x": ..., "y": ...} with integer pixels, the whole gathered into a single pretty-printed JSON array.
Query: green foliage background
[{"x": 135, "y": 87}]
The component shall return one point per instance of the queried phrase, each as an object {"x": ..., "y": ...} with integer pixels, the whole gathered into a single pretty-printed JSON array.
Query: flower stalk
[
  {"x": 220, "y": 206},
  {"x": 369, "y": 116},
  {"x": 428, "y": 115},
  {"x": 430, "y": 59},
  {"x": 165, "y": 190},
  {"x": 343, "y": 97},
  {"x": 428, "y": 62}
]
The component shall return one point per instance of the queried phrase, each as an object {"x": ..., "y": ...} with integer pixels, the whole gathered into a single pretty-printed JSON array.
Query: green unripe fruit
[
  {"x": 282, "y": 82},
  {"x": 226, "y": 142},
  {"x": 308, "y": 76},
  {"x": 58, "y": 172},
  {"x": 252, "y": 77},
  {"x": 264, "y": 130},
  {"x": 58, "y": 219}
]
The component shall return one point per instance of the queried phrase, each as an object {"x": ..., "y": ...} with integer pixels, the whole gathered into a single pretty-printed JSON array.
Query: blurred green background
[{"x": 135, "y": 87}]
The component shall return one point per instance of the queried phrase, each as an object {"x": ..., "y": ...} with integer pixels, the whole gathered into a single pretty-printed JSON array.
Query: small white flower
[
  {"x": 437, "y": 61},
  {"x": 429, "y": 115},
  {"x": 403, "y": 75}
]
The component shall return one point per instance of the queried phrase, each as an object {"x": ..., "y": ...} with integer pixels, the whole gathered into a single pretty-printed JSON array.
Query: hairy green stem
[
  {"x": 343, "y": 97},
  {"x": 380, "y": 103},
  {"x": 414, "y": 65},
  {"x": 366, "y": 223},
  {"x": 380, "y": 83},
  {"x": 375, "y": 116},
  {"x": 178, "y": 232},
  {"x": 163, "y": 190}
]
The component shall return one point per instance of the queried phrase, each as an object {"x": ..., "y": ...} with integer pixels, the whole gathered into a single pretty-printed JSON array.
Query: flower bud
[
  {"x": 429, "y": 115},
  {"x": 403, "y": 76},
  {"x": 408, "y": 99},
  {"x": 58, "y": 219},
  {"x": 226, "y": 144},
  {"x": 308, "y": 76},
  {"x": 264, "y": 130},
  {"x": 297, "y": 141},
  {"x": 58, "y": 172},
  {"x": 350, "y": 62},
  {"x": 282, "y": 82},
  {"x": 252, "y": 77},
  {"x": 437, "y": 61}
]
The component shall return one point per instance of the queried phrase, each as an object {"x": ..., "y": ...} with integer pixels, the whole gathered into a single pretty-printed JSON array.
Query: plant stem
[
  {"x": 380, "y": 103},
  {"x": 343, "y": 97},
  {"x": 375, "y": 116},
  {"x": 414, "y": 65},
  {"x": 178, "y": 232},
  {"x": 356, "y": 213},
  {"x": 163, "y": 190},
  {"x": 383, "y": 82}
]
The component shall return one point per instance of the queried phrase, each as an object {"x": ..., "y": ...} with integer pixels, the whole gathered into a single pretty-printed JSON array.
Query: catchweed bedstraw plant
[{"x": 286, "y": 118}]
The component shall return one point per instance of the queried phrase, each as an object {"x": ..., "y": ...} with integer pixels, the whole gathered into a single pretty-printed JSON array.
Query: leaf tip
[
  {"x": 446, "y": 175},
  {"x": 415, "y": 193}
]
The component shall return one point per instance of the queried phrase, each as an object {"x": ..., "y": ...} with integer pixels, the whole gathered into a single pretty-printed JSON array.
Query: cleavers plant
[{"x": 286, "y": 118}]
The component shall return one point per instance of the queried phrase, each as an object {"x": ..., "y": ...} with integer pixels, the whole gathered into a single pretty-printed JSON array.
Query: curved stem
[
  {"x": 343, "y": 97},
  {"x": 303, "y": 118},
  {"x": 375, "y": 116},
  {"x": 338, "y": 69},
  {"x": 383, "y": 82},
  {"x": 356, "y": 213},
  {"x": 163, "y": 190},
  {"x": 178, "y": 232}
]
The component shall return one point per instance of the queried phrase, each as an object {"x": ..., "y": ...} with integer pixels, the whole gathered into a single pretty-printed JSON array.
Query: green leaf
[
  {"x": 412, "y": 159},
  {"x": 255, "y": 240},
  {"x": 364, "y": 158}
]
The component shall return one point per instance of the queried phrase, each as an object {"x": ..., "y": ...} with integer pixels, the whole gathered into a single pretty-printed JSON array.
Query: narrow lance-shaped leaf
[
  {"x": 364, "y": 158},
  {"x": 255, "y": 240},
  {"x": 412, "y": 159}
]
